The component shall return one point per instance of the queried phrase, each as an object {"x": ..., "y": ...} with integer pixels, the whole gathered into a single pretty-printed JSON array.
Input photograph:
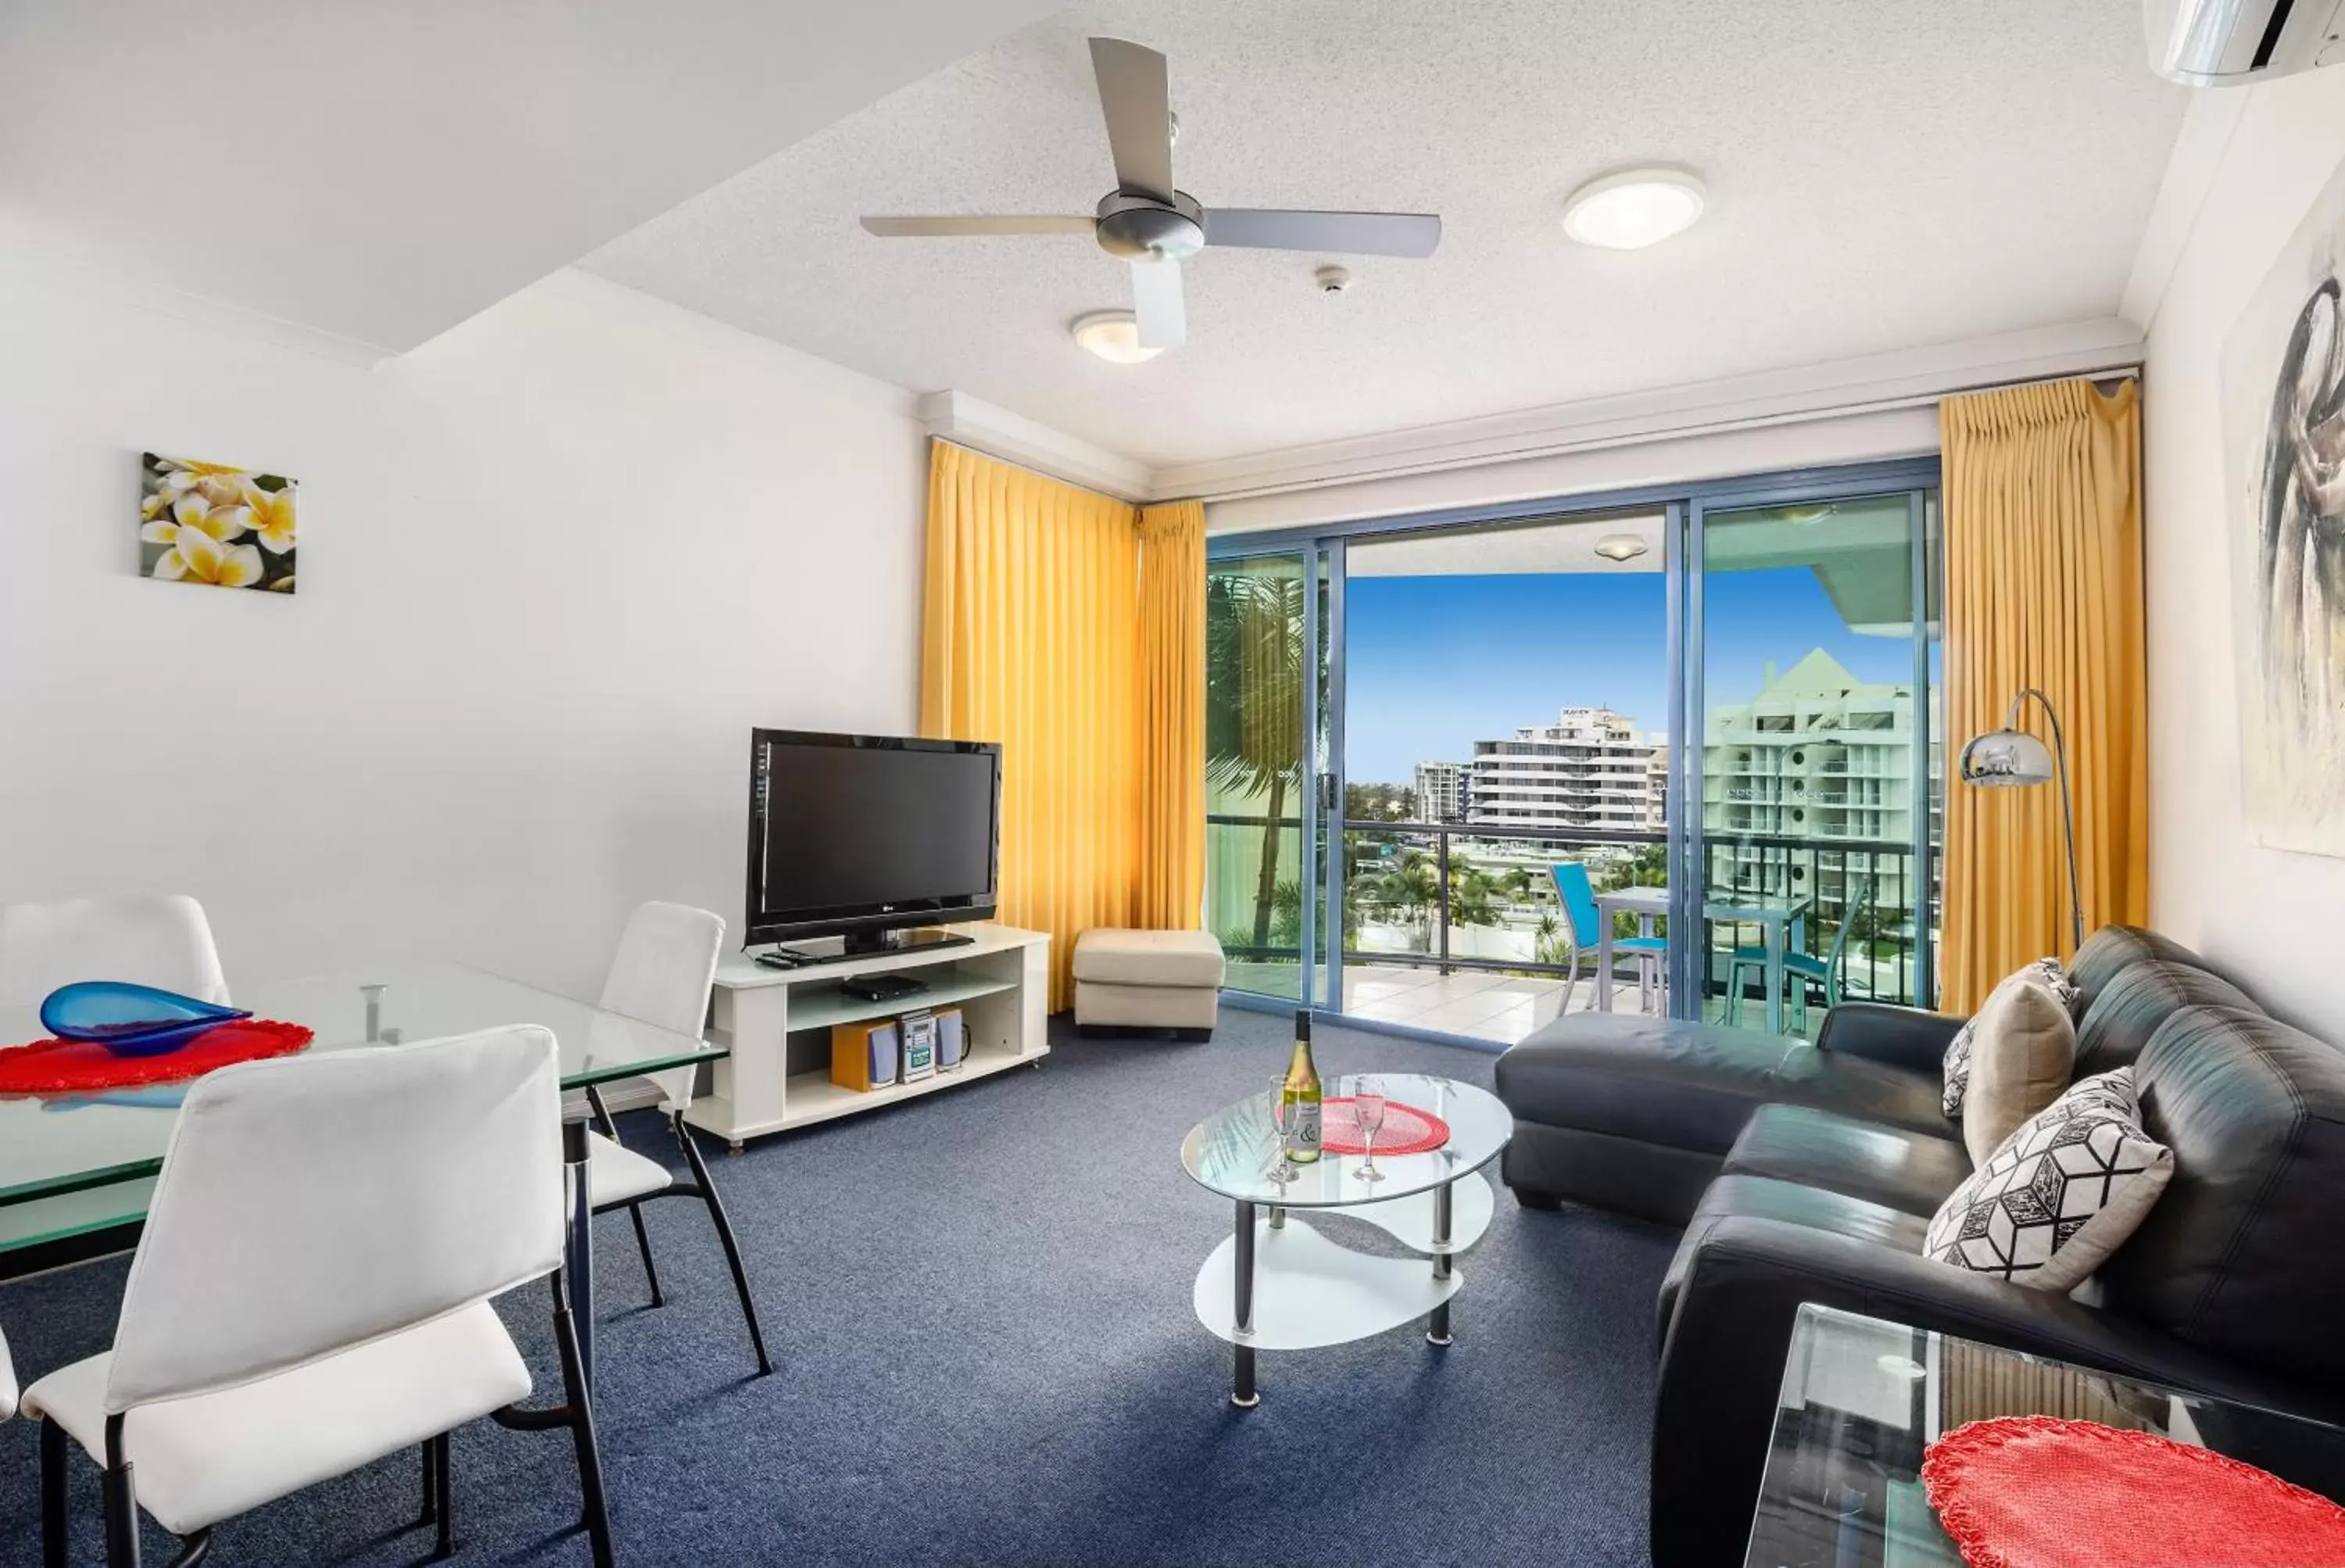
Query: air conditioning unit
[{"x": 2226, "y": 43}]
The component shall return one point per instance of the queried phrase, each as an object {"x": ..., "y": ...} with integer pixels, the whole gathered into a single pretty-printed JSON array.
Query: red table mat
[
  {"x": 79, "y": 1066},
  {"x": 1406, "y": 1129},
  {"x": 2039, "y": 1491}
]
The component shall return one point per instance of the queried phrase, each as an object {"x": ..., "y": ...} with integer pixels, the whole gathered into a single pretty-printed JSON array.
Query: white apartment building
[
  {"x": 1591, "y": 769},
  {"x": 1816, "y": 754},
  {"x": 1441, "y": 791}
]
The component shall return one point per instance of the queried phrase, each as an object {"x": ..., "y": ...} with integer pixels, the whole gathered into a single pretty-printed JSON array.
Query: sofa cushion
[
  {"x": 2021, "y": 1044},
  {"x": 2240, "y": 1257},
  {"x": 1908, "y": 1171},
  {"x": 1694, "y": 1085},
  {"x": 1118, "y": 957},
  {"x": 2044, "y": 971},
  {"x": 1758, "y": 1198},
  {"x": 2136, "y": 1001},
  {"x": 2064, "y": 1191},
  {"x": 2114, "y": 948}
]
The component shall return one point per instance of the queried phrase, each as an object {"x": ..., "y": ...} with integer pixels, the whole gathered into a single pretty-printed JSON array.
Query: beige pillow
[{"x": 2022, "y": 1048}]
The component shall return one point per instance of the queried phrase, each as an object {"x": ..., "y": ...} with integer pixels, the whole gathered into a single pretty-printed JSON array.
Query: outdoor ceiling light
[
  {"x": 1113, "y": 335},
  {"x": 1620, "y": 547},
  {"x": 1634, "y": 209}
]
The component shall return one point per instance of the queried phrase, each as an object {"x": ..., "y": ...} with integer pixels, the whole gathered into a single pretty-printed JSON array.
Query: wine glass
[
  {"x": 1281, "y": 1170},
  {"x": 1368, "y": 1111}
]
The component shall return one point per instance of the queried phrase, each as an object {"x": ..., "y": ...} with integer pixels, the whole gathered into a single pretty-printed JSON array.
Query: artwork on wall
[
  {"x": 208, "y": 523},
  {"x": 2284, "y": 440}
]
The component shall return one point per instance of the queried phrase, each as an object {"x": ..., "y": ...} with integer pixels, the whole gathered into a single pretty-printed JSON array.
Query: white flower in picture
[{"x": 194, "y": 518}]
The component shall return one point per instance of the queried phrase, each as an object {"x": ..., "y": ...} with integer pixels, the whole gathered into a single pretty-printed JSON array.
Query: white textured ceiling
[
  {"x": 1883, "y": 176},
  {"x": 380, "y": 172}
]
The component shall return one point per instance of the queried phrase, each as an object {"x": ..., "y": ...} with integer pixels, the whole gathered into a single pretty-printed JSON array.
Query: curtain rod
[{"x": 2118, "y": 372}]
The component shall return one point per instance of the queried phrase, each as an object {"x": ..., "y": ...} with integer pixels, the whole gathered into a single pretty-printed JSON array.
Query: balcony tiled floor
[{"x": 1504, "y": 1008}]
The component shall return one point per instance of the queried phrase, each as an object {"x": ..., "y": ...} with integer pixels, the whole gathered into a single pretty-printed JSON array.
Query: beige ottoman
[{"x": 1137, "y": 982}]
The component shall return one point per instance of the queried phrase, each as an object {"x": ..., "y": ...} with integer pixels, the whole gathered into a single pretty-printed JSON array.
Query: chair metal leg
[
  {"x": 732, "y": 1248},
  {"x": 442, "y": 1496},
  {"x": 430, "y": 1513},
  {"x": 579, "y": 1418},
  {"x": 643, "y": 1245},
  {"x": 120, "y": 1493},
  {"x": 194, "y": 1549},
  {"x": 56, "y": 1523}
]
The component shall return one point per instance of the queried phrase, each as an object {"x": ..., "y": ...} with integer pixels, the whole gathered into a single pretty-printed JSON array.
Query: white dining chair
[
  {"x": 157, "y": 940},
  {"x": 662, "y": 973},
  {"x": 312, "y": 1289}
]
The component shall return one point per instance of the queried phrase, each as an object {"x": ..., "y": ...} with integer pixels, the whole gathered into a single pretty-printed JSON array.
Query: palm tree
[{"x": 1253, "y": 717}]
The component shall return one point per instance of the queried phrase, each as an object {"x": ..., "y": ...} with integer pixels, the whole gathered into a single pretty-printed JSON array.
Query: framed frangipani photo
[{"x": 220, "y": 526}]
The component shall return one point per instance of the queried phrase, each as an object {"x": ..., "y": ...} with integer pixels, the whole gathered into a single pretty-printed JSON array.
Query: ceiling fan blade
[
  {"x": 1348, "y": 233},
  {"x": 1136, "y": 95},
  {"x": 926, "y": 227},
  {"x": 1156, "y": 302}
]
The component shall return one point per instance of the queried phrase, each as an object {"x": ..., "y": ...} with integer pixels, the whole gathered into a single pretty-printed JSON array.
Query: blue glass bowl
[{"x": 130, "y": 1020}]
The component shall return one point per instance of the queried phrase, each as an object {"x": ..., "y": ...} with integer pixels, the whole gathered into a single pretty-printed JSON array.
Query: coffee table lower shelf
[{"x": 1305, "y": 1290}]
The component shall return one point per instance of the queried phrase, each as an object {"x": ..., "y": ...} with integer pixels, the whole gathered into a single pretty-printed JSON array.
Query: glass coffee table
[
  {"x": 1863, "y": 1399},
  {"x": 1277, "y": 1284}
]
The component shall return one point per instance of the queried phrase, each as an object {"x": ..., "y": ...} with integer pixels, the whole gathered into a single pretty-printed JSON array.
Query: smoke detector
[{"x": 1331, "y": 280}]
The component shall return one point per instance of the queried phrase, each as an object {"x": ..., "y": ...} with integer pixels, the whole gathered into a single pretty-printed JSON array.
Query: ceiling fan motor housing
[{"x": 1143, "y": 229}]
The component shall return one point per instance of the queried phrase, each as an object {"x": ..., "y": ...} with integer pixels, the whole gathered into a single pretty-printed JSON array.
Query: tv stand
[{"x": 777, "y": 1023}]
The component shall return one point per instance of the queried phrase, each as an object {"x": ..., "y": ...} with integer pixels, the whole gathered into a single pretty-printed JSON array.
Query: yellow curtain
[
  {"x": 1173, "y": 716},
  {"x": 2044, "y": 588},
  {"x": 1059, "y": 624}
]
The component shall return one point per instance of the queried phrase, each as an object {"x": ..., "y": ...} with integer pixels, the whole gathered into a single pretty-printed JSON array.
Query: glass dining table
[{"x": 73, "y": 1163}]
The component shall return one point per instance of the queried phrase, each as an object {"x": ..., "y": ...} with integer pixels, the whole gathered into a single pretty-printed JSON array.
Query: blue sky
[{"x": 1434, "y": 664}]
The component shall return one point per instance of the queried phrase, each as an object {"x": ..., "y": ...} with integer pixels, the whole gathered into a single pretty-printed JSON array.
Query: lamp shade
[{"x": 2005, "y": 757}]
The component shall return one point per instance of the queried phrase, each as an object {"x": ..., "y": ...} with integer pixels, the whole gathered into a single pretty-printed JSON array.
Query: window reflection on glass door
[
  {"x": 1819, "y": 756},
  {"x": 1260, "y": 635}
]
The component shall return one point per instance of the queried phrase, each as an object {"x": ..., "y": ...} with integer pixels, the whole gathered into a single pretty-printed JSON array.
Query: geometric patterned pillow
[
  {"x": 2044, "y": 971},
  {"x": 2060, "y": 1194}
]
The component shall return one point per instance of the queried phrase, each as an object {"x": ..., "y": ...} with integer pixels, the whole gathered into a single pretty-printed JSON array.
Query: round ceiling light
[
  {"x": 1114, "y": 336},
  {"x": 1634, "y": 209},
  {"x": 1620, "y": 547}
]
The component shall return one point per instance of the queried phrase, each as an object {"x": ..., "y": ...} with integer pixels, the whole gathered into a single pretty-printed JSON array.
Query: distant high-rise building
[
  {"x": 1817, "y": 754},
  {"x": 1590, "y": 768},
  {"x": 1441, "y": 791}
]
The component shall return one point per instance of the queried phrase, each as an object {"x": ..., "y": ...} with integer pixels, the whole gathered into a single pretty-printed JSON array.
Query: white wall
[
  {"x": 2267, "y": 916},
  {"x": 553, "y": 566}
]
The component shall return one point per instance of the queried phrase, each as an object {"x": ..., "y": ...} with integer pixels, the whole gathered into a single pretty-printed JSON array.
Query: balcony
[{"x": 1455, "y": 929}]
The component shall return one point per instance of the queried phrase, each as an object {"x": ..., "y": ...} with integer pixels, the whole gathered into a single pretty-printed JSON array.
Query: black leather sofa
[{"x": 1808, "y": 1172}]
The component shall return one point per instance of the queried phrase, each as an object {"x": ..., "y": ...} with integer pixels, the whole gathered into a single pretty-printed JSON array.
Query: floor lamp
[{"x": 2010, "y": 756}]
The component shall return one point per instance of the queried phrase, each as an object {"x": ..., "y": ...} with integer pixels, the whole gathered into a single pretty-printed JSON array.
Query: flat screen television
[{"x": 865, "y": 836}]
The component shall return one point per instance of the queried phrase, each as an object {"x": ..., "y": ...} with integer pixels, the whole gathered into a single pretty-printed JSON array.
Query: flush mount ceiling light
[
  {"x": 1620, "y": 547},
  {"x": 1113, "y": 335},
  {"x": 1803, "y": 516},
  {"x": 1634, "y": 209}
]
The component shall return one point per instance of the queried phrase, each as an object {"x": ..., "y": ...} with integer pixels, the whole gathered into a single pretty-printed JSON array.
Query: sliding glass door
[
  {"x": 1268, "y": 622},
  {"x": 1812, "y": 757},
  {"x": 1458, "y": 765}
]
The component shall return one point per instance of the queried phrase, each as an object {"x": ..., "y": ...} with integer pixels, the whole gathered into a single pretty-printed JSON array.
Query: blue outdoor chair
[
  {"x": 1801, "y": 970},
  {"x": 1585, "y": 919}
]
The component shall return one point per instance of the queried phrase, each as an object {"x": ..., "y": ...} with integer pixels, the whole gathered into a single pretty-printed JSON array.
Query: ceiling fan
[{"x": 1155, "y": 227}]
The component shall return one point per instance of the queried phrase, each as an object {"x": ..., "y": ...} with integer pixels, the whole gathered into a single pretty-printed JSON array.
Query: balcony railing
[{"x": 1461, "y": 896}]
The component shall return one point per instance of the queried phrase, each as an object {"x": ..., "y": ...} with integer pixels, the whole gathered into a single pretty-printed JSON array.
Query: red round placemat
[
  {"x": 2038, "y": 1491},
  {"x": 1406, "y": 1129},
  {"x": 71, "y": 1066}
]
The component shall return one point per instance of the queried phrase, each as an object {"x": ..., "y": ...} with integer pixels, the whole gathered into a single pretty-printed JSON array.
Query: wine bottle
[{"x": 1302, "y": 1096}]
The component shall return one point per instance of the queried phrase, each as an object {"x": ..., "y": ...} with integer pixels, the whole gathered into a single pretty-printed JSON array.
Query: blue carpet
[{"x": 978, "y": 1304}]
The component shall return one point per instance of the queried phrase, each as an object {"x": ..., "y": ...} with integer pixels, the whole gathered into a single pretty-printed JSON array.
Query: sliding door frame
[
  {"x": 1689, "y": 713},
  {"x": 1322, "y": 548}
]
